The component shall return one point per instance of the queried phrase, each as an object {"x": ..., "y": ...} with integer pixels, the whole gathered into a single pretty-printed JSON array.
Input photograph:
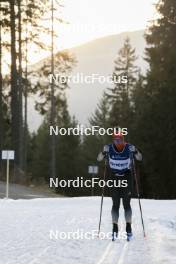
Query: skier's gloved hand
[
  {"x": 105, "y": 149},
  {"x": 103, "y": 154},
  {"x": 132, "y": 148},
  {"x": 100, "y": 156},
  {"x": 138, "y": 155},
  {"x": 135, "y": 151}
]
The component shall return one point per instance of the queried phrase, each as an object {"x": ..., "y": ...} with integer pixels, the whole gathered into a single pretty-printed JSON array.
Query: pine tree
[
  {"x": 21, "y": 28},
  {"x": 93, "y": 144},
  {"x": 100, "y": 118},
  {"x": 67, "y": 149},
  {"x": 124, "y": 78},
  {"x": 157, "y": 120}
]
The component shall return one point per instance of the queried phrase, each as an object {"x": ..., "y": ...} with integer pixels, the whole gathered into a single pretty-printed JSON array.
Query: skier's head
[{"x": 118, "y": 141}]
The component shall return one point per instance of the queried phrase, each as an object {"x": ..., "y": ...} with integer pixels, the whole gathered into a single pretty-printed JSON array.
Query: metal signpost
[{"x": 8, "y": 155}]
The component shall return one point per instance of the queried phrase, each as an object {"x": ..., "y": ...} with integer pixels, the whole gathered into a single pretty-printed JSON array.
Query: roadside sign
[
  {"x": 93, "y": 169},
  {"x": 8, "y": 154}
]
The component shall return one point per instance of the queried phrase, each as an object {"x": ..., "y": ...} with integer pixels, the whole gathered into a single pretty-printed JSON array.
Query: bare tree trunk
[
  {"x": 20, "y": 88},
  {"x": 14, "y": 86},
  {"x": 1, "y": 101},
  {"x": 52, "y": 119},
  {"x": 26, "y": 95}
]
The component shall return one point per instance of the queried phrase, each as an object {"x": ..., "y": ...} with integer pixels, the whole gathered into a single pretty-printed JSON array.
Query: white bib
[{"x": 119, "y": 164}]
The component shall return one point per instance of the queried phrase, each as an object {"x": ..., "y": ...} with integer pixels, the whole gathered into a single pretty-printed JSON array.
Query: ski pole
[
  {"x": 102, "y": 196},
  {"x": 137, "y": 189}
]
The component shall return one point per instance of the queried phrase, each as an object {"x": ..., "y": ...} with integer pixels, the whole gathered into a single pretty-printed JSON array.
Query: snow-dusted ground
[{"x": 27, "y": 229}]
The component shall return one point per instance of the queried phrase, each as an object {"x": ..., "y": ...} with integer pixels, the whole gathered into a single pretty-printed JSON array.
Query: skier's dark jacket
[{"x": 119, "y": 164}]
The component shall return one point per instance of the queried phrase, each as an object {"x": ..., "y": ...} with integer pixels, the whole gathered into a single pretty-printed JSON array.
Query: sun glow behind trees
[
  {"x": 90, "y": 19},
  {"x": 97, "y": 18}
]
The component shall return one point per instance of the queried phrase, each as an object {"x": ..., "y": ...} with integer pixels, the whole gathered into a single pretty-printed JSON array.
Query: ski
[
  {"x": 114, "y": 236},
  {"x": 129, "y": 236}
]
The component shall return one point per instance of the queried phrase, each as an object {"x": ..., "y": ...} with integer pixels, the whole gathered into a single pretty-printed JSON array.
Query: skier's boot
[
  {"x": 129, "y": 231},
  {"x": 114, "y": 232}
]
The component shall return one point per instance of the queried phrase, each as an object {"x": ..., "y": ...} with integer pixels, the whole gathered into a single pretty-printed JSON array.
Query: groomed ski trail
[
  {"x": 149, "y": 250},
  {"x": 25, "y": 227},
  {"x": 114, "y": 253}
]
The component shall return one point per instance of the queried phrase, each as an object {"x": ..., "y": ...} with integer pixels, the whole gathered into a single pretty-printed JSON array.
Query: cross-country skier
[{"x": 118, "y": 155}]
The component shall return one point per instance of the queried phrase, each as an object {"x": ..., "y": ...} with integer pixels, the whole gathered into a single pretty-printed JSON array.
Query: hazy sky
[{"x": 91, "y": 19}]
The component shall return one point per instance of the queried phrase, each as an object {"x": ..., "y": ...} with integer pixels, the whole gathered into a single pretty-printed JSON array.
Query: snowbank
[{"x": 30, "y": 232}]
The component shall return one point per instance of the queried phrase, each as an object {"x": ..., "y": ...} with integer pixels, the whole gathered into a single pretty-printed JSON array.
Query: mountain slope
[{"x": 95, "y": 57}]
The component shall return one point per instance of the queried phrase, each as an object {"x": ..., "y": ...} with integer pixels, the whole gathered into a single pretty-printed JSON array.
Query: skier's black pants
[
  {"x": 116, "y": 197},
  {"x": 124, "y": 193}
]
